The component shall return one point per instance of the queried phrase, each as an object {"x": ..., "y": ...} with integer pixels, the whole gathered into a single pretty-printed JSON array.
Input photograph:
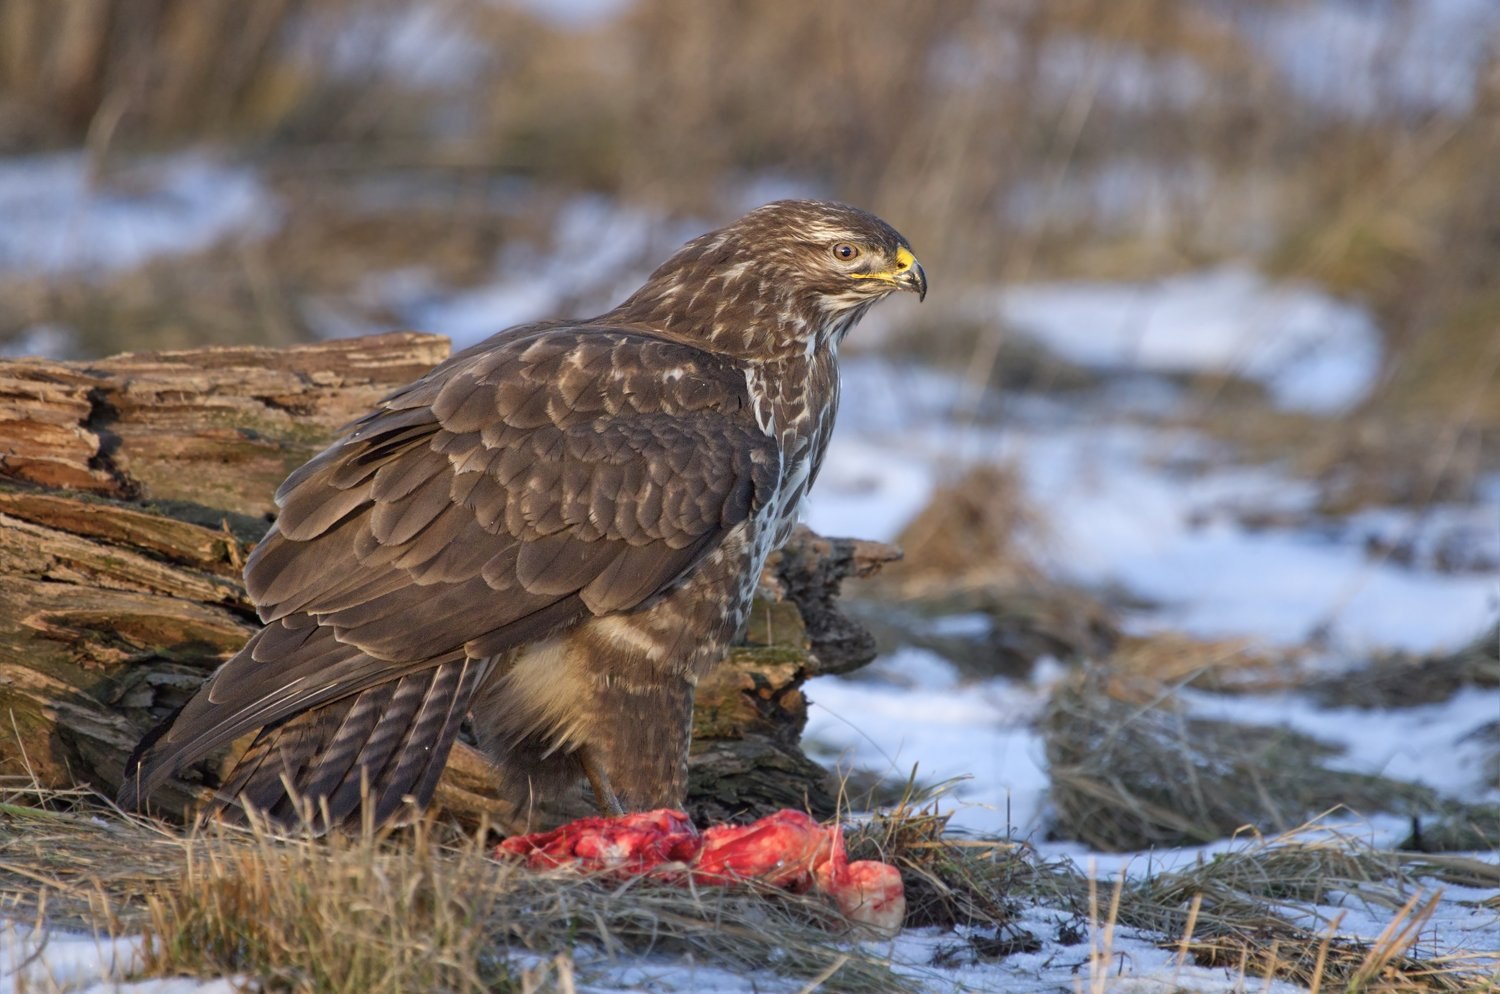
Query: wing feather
[{"x": 553, "y": 473}]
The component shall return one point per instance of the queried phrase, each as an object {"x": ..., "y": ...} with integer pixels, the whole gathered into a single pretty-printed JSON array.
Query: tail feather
[
  {"x": 244, "y": 694},
  {"x": 415, "y": 768},
  {"x": 385, "y": 746},
  {"x": 292, "y": 667},
  {"x": 363, "y": 746}
]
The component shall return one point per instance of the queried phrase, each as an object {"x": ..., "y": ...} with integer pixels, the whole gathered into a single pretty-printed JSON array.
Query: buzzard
[{"x": 555, "y": 532}]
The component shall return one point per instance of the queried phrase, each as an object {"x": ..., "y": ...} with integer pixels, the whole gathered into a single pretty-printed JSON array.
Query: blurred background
[
  {"x": 1206, "y": 274},
  {"x": 1205, "y": 395}
]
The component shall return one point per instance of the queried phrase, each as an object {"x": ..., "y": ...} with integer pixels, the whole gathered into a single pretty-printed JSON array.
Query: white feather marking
[
  {"x": 765, "y": 417},
  {"x": 622, "y": 635}
]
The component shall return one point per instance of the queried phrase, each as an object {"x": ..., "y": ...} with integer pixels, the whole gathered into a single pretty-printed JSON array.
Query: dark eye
[{"x": 845, "y": 252}]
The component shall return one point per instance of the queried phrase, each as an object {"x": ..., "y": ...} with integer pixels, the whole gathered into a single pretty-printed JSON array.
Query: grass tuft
[
  {"x": 1131, "y": 769},
  {"x": 422, "y": 908},
  {"x": 346, "y": 915}
]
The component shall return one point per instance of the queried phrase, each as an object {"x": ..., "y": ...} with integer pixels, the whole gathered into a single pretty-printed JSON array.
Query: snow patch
[
  {"x": 1120, "y": 508},
  {"x": 61, "y": 219},
  {"x": 56, "y": 960},
  {"x": 45, "y": 341},
  {"x": 1310, "y": 350},
  {"x": 947, "y": 728}
]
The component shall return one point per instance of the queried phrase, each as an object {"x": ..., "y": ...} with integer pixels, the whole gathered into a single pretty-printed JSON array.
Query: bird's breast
[{"x": 794, "y": 402}]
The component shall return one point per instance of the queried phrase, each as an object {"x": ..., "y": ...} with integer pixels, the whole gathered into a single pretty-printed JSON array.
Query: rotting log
[{"x": 133, "y": 488}]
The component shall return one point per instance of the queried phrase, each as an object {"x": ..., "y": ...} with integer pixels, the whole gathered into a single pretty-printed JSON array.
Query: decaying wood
[
  {"x": 216, "y": 427},
  {"x": 133, "y": 488}
]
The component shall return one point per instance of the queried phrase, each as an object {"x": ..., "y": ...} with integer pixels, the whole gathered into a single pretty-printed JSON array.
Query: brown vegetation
[
  {"x": 424, "y": 909},
  {"x": 1131, "y": 769}
]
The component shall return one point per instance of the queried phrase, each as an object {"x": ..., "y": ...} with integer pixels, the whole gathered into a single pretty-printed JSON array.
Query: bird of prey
[{"x": 556, "y": 532}]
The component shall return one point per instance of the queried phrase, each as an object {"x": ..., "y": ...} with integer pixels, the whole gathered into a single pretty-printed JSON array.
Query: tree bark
[{"x": 133, "y": 488}]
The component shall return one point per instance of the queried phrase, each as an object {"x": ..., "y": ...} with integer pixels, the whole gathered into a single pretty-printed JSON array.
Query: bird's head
[
  {"x": 783, "y": 277},
  {"x": 844, "y": 255}
]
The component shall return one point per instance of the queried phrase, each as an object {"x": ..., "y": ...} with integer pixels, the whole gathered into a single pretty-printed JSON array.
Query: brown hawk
[{"x": 555, "y": 532}]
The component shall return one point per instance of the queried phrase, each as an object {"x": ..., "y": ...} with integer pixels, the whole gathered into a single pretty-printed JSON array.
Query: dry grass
[
  {"x": 1403, "y": 680},
  {"x": 975, "y": 548},
  {"x": 419, "y": 909},
  {"x": 978, "y": 531},
  {"x": 1221, "y": 665},
  {"x": 428, "y": 910},
  {"x": 1231, "y": 911},
  {"x": 1021, "y": 626},
  {"x": 949, "y": 881},
  {"x": 1130, "y": 770},
  {"x": 138, "y": 74}
]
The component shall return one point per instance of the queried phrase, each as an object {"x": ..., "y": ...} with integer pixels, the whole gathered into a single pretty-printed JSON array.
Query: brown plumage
[{"x": 555, "y": 532}]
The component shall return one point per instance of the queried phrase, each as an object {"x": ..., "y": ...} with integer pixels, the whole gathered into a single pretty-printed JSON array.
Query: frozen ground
[{"x": 1127, "y": 502}]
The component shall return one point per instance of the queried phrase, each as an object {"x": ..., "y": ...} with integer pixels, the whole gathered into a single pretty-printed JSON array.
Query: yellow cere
[{"x": 904, "y": 261}]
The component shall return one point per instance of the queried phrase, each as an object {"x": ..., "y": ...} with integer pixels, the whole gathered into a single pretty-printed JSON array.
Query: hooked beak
[{"x": 909, "y": 274}]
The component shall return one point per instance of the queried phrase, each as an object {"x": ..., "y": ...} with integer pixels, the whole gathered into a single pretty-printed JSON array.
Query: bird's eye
[{"x": 845, "y": 252}]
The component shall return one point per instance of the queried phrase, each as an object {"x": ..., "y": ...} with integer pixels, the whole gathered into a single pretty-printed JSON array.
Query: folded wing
[{"x": 555, "y": 473}]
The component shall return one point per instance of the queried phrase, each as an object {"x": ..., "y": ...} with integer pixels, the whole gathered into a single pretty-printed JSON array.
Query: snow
[
  {"x": 1128, "y": 501},
  {"x": 1402, "y": 743},
  {"x": 46, "y": 341},
  {"x": 1120, "y": 511},
  {"x": 60, "y": 219},
  {"x": 1311, "y": 351},
  {"x": 1352, "y": 58},
  {"x": 60, "y": 961},
  {"x": 1119, "y": 962},
  {"x": 1116, "y": 517},
  {"x": 912, "y": 710}
]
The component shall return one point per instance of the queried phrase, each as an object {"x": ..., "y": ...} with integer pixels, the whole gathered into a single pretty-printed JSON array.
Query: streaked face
[{"x": 849, "y": 256}]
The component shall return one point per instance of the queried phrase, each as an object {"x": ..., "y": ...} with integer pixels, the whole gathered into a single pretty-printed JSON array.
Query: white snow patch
[
  {"x": 1117, "y": 511},
  {"x": 1433, "y": 744},
  {"x": 1113, "y": 961},
  {"x": 1310, "y": 350},
  {"x": 61, "y": 961},
  {"x": 1114, "y": 516},
  {"x": 947, "y": 729},
  {"x": 61, "y": 219}
]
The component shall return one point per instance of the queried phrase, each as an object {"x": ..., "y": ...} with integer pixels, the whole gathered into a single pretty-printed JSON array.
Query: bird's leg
[{"x": 604, "y": 794}]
